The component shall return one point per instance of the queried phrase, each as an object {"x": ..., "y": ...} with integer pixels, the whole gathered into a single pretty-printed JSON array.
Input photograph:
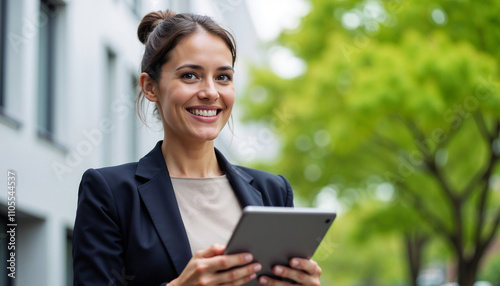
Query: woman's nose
[{"x": 208, "y": 91}]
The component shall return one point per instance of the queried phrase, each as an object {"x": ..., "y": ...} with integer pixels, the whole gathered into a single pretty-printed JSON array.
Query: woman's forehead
[{"x": 201, "y": 48}]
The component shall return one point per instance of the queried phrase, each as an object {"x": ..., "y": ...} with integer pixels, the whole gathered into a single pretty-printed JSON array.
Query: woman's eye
[
  {"x": 189, "y": 76},
  {"x": 224, "y": 77}
]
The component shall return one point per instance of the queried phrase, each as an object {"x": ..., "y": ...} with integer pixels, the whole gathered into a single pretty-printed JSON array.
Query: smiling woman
[
  {"x": 165, "y": 219},
  {"x": 196, "y": 80}
]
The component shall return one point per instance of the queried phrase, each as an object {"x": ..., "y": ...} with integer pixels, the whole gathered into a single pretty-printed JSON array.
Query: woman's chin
[{"x": 206, "y": 136}]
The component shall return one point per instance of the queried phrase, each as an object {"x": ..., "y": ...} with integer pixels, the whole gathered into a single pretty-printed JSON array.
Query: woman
[{"x": 163, "y": 220}]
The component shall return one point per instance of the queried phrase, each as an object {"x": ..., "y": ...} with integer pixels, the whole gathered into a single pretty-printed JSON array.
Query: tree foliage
[{"x": 408, "y": 99}]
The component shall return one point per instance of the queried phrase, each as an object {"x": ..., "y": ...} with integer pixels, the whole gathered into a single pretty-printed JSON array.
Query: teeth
[{"x": 206, "y": 113}]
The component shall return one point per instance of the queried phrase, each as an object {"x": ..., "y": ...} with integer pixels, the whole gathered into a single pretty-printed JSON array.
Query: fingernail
[
  {"x": 263, "y": 280},
  {"x": 295, "y": 263},
  {"x": 278, "y": 270},
  {"x": 253, "y": 276},
  {"x": 257, "y": 268},
  {"x": 248, "y": 257}
]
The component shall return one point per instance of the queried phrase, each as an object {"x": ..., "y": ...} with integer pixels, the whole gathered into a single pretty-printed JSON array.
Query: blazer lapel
[
  {"x": 159, "y": 198},
  {"x": 241, "y": 183}
]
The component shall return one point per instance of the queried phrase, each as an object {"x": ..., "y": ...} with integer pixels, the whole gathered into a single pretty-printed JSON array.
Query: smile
[{"x": 204, "y": 113}]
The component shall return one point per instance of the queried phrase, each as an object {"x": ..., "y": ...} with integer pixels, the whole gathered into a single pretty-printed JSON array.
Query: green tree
[
  {"x": 408, "y": 93},
  {"x": 491, "y": 272},
  {"x": 348, "y": 252}
]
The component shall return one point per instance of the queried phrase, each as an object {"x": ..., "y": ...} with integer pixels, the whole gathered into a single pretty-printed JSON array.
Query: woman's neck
[{"x": 194, "y": 159}]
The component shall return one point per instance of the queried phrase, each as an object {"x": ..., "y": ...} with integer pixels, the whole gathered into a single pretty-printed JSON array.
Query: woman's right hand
[{"x": 210, "y": 267}]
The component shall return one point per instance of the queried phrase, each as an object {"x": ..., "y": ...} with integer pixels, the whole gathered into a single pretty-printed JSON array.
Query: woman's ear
[{"x": 148, "y": 87}]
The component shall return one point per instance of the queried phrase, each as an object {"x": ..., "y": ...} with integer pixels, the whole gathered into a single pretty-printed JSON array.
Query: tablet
[{"x": 274, "y": 235}]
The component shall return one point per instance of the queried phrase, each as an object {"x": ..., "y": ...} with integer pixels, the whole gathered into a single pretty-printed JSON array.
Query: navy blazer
[{"x": 128, "y": 228}]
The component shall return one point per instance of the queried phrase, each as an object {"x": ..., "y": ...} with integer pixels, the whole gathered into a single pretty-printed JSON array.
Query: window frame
[
  {"x": 133, "y": 124},
  {"x": 69, "y": 257},
  {"x": 3, "y": 51},
  {"x": 46, "y": 67}
]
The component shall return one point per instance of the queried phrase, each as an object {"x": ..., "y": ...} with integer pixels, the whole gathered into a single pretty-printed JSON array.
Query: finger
[
  {"x": 214, "y": 250},
  {"x": 298, "y": 275},
  {"x": 294, "y": 274},
  {"x": 224, "y": 262},
  {"x": 242, "y": 281},
  {"x": 307, "y": 265},
  {"x": 240, "y": 275},
  {"x": 265, "y": 280}
]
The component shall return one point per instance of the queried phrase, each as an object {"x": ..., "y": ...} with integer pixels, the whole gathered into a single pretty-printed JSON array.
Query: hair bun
[{"x": 149, "y": 23}]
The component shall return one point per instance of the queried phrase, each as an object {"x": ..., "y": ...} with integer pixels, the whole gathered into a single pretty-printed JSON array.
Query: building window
[
  {"x": 3, "y": 58},
  {"x": 10, "y": 44},
  {"x": 69, "y": 258},
  {"x": 109, "y": 96},
  {"x": 47, "y": 51},
  {"x": 133, "y": 124}
]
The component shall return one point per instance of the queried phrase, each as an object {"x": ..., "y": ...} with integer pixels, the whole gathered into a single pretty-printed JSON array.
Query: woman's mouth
[{"x": 204, "y": 112}]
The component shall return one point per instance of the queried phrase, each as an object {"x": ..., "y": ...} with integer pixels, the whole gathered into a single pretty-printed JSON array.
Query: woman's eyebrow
[
  {"x": 198, "y": 67},
  {"x": 190, "y": 66},
  {"x": 225, "y": 68}
]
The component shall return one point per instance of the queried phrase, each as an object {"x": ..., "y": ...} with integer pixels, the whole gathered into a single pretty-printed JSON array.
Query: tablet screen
[{"x": 274, "y": 235}]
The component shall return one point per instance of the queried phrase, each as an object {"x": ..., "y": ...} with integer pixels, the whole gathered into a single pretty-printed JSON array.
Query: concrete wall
[{"x": 96, "y": 56}]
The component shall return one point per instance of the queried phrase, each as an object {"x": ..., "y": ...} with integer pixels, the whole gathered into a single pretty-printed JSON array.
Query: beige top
[{"x": 209, "y": 209}]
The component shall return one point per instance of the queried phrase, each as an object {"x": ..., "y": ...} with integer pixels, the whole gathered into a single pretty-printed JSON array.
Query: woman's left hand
[{"x": 302, "y": 271}]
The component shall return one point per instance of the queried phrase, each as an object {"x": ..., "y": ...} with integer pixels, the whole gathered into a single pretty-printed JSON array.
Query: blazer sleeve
[
  {"x": 288, "y": 192},
  {"x": 97, "y": 242}
]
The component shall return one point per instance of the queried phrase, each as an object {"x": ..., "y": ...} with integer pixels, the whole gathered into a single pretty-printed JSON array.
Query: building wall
[{"x": 95, "y": 60}]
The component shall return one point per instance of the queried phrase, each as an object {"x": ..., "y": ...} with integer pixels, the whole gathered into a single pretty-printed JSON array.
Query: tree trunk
[
  {"x": 414, "y": 247},
  {"x": 467, "y": 272}
]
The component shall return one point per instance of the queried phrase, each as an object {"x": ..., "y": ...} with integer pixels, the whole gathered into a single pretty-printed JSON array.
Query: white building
[{"x": 67, "y": 86}]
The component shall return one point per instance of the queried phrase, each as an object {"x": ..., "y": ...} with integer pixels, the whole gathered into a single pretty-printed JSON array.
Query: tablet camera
[{"x": 327, "y": 221}]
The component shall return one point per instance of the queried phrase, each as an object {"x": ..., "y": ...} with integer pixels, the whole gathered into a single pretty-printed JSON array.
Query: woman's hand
[
  {"x": 207, "y": 266},
  {"x": 302, "y": 271}
]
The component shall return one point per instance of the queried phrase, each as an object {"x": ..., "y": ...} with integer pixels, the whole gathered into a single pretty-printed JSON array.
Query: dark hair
[{"x": 161, "y": 31}]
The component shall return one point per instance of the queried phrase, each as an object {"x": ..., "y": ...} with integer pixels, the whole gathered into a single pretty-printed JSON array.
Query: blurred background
[{"x": 387, "y": 112}]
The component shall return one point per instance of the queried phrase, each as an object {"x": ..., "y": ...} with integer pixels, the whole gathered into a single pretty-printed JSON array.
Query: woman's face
[{"x": 195, "y": 94}]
